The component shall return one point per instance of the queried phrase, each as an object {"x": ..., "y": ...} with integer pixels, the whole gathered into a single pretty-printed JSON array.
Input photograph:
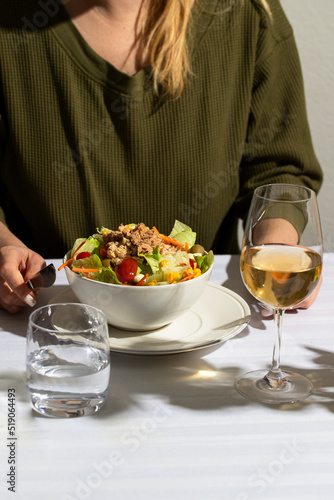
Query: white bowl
[{"x": 138, "y": 307}]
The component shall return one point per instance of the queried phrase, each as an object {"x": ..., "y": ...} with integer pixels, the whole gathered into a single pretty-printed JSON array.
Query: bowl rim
[{"x": 113, "y": 285}]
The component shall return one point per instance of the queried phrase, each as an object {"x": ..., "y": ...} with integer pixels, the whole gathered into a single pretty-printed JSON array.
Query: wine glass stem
[{"x": 275, "y": 376}]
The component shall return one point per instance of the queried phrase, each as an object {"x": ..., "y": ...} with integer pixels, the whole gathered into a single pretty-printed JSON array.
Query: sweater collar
[{"x": 100, "y": 70}]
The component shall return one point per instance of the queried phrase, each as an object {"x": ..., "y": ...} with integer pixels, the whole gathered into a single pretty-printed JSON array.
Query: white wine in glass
[{"x": 281, "y": 264}]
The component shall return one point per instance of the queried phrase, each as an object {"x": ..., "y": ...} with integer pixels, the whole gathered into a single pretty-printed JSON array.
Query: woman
[{"x": 141, "y": 111}]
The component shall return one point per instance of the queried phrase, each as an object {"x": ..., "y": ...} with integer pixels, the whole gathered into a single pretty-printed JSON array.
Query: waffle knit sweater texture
[{"x": 83, "y": 145}]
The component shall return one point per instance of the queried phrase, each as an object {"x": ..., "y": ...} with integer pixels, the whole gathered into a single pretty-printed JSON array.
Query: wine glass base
[{"x": 255, "y": 386}]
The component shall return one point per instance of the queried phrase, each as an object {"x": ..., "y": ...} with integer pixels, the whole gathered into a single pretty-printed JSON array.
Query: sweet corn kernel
[
  {"x": 164, "y": 263},
  {"x": 152, "y": 283},
  {"x": 172, "y": 276}
]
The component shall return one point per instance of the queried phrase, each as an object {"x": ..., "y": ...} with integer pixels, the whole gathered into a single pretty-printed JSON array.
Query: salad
[{"x": 137, "y": 255}]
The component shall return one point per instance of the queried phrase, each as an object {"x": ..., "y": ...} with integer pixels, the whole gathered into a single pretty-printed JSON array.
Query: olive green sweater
[{"x": 83, "y": 145}]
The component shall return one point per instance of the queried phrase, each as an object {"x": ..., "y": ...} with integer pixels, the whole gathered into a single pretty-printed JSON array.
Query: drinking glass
[
  {"x": 68, "y": 359},
  {"x": 281, "y": 264}
]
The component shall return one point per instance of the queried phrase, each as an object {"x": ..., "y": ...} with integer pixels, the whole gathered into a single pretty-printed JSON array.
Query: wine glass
[{"x": 281, "y": 264}]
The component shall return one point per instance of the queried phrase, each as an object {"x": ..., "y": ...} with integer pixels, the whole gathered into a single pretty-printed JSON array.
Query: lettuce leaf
[
  {"x": 204, "y": 262},
  {"x": 92, "y": 262},
  {"x": 159, "y": 277},
  {"x": 91, "y": 245},
  {"x": 183, "y": 234},
  {"x": 107, "y": 275},
  {"x": 152, "y": 259}
]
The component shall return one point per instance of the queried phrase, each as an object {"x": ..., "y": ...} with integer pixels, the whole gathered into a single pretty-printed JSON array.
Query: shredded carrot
[
  {"x": 168, "y": 239},
  {"x": 65, "y": 264},
  {"x": 142, "y": 280},
  {"x": 77, "y": 250},
  {"x": 187, "y": 278},
  {"x": 84, "y": 270},
  {"x": 72, "y": 258},
  {"x": 187, "y": 247},
  {"x": 187, "y": 272},
  {"x": 189, "y": 275}
]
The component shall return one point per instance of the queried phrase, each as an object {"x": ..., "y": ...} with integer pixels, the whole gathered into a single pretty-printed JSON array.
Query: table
[{"x": 173, "y": 427}]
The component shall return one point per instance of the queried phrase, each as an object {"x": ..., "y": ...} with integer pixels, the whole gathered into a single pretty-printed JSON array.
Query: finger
[
  {"x": 24, "y": 292},
  {"x": 9, "y": 300},
  {"x": 15, "y": 287}
]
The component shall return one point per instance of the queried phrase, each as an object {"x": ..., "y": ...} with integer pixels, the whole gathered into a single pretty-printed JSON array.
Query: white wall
[{"x": 313, "y": 22}]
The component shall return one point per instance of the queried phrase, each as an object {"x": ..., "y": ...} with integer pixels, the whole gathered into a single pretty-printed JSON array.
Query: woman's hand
[{"x": 17, "y": 265}]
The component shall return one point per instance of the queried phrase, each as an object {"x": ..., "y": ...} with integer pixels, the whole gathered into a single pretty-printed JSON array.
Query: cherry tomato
[
  {"x": 192, "y": 263},
  {"x": 103, "y": 252},
  {"x": 127, "y": 269},
  {"x": 83, "y": 255}
]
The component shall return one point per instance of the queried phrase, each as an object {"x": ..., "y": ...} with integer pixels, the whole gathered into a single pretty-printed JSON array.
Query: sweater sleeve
[{"x": 278, "y": 147}]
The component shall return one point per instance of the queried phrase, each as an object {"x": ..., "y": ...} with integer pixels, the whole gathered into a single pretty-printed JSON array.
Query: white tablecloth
[{"x": 173, "y": 427}]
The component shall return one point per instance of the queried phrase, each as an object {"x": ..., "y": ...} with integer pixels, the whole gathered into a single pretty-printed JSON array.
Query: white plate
[{"x": 219, "y": 315}]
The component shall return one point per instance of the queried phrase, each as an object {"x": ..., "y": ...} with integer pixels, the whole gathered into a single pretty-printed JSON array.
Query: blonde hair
[
  {"x": 165, "y": 36},
  {"x": 166, "y": 40}
]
